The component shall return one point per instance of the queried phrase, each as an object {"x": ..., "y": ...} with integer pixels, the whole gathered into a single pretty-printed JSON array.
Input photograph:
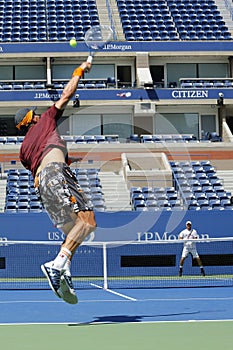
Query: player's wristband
[{"x": 78, "y": 72}]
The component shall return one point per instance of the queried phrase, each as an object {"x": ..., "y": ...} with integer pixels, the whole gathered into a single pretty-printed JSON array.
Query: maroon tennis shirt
[{"x": 40, "y": 139}]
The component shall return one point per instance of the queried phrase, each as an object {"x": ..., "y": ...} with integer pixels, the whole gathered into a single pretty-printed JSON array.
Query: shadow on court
[{"x": 129, "y": 319}]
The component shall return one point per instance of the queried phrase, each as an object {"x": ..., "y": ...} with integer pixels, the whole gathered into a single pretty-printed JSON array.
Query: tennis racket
[{"x": 96, "y": 37}]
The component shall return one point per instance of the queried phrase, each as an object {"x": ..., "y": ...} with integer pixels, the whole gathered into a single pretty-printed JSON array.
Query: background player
[
  {"x": 189, "y": 247},
  {"x": 44, "y": 153}
]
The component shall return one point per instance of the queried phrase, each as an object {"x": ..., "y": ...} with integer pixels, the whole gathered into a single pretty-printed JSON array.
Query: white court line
[
  {"x": 188, "y": 299},
  {"x": 112, "y": 291},
  {"x": 119, "y": 294},
  {"x": 141, "y": 322},
  {"x": 60, "y": 301}
]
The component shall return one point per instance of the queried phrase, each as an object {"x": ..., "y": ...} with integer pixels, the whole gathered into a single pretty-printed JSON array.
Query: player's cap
[
  {"x": 188, "y": 223},
  {"x": 21, "y": 114}
]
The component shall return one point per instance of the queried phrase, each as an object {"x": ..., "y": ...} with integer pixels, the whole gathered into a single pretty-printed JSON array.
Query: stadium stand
[
  {"x": 21, "y": 195},
  {"x": 199, "y": 186},
  {"x": 143, "y": 114},
  {"x": 49, "y": 20},
  {"x": 172, "y": 20}
]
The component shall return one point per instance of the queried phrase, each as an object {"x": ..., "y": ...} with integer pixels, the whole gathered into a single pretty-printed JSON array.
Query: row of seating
[
  {"x": 199, "y": 23},
  {"x": 22, "y": 85},
  {"x": 157, "y": 138},
  {"x": 21, "y": 195},
  {"x": 155, "y": 198},
  {"x": 200, "y": 187},
  {"x": 97, "y": 139},
  {"x": 46, "y": 20},
  {"x": 83, "y": 139},
  {"x": 111, "y": 82},
  {"x": 153, "y": 20},
  {"x": 24, "y": 198},
  {"x": 189, "y": 84},
  {"x": 161, "y": 138},
  {"x": 92, "y": 139},
  {"x": 197, "y": 187},
  {"x": 83, "y": 84},
  {"x": 37, "y": 207},
  {"x": 168, "y": 20}
]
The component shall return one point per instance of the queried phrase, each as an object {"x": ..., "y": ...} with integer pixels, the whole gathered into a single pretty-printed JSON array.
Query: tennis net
[{"x": 143, "y": 264}]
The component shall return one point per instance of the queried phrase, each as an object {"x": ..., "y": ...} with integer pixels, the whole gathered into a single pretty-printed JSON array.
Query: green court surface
[{"x": 210, "y": 335}]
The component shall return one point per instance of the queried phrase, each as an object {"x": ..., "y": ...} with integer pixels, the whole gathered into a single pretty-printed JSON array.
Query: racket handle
[{"x": 89, "y": 59}]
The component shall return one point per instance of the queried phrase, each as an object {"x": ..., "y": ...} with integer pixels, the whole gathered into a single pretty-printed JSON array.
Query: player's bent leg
[{"x": 83, "y": 226}]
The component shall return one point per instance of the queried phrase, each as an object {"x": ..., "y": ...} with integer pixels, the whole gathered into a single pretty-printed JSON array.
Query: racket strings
[{"x": 97, "y": 36}]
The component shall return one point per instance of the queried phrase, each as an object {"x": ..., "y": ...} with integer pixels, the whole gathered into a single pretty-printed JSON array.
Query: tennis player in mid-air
[
  {"x": 188, "y": 235},
  {"x": 45, "y": 154}
]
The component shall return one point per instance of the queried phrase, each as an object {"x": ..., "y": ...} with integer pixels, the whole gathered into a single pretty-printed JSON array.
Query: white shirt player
[{"x": 189, "y": 246}]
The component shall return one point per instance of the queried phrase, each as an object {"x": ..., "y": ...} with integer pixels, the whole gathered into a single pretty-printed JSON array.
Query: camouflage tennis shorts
[{"x": 61, "y": 193}]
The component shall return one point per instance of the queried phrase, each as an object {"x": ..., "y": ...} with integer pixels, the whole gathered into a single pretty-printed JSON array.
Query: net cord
[{"x": 114, "y": 243}]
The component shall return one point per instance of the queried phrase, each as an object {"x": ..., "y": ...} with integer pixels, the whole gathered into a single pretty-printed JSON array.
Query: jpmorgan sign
[
  {"x": 156, "y": 236},
  {"x": 190, "y": 94}
]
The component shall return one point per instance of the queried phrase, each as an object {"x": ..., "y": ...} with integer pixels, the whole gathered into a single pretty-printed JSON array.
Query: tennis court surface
[
  {"x": 174, "y": 318},
  {"x": 130, "y": 297}
]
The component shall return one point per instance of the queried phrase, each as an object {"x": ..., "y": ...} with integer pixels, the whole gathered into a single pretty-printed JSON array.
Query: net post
[{"x": 105, "y": 272}]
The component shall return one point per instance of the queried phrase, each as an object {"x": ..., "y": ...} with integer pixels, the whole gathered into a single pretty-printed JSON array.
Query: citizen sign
[{"x": 192, "y": 94}]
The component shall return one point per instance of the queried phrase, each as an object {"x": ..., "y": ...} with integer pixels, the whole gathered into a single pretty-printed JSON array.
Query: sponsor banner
[
  {"x": 170, "y": 46},
  {"x": 133, "y": 95},
  {"x": 120, "y": 226}
]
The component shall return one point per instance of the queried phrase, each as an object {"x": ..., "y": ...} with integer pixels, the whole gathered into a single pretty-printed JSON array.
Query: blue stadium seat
[
  {"x": 90, "y": 85},
  {"x": 135, "y": 190},
  {"x": 11, "y": 207},
  {"x": 28, "y": 85},
  {"x": 39, "y": 85},
  {"x": 17, "y": 86},
  {"x": 152, "y": 205},
  {"x": 7, "y": 86},
  {"x": 139, "y": 204},
  {"x": 149, "y": 197}
]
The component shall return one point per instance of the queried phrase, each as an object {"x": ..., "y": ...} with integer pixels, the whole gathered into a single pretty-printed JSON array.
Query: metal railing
[{"x": 112, "y": 24}]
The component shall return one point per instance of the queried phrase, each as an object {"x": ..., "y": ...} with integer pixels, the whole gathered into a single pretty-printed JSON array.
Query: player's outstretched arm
[{"x": 71, "y": 87}]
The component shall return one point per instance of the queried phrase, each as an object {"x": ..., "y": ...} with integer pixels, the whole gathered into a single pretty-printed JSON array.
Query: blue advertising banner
[
  {"x": 120, "y": 94},
  {"x": 121, "y": 226},
  {"x": 130, "y": 46}
]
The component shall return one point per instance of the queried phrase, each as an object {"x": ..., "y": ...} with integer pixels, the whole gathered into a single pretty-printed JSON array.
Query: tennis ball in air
[{"x": 73, "y": 43}]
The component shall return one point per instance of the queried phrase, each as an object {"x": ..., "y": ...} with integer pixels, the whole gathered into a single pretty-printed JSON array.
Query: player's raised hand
[{"x": 86, "y": 66}]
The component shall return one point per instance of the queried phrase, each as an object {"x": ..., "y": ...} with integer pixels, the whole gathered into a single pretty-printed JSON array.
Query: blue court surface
[{"x": 98, "y": 306}]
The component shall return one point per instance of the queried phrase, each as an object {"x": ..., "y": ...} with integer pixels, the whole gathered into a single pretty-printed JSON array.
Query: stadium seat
[
  {"x": 139, "y": 204},
  {"x": 28, "y": 85},
  {"x": 100, "y": 85},
  {"x": 214, "y": 137},
  {"x": 101, "y": 139}
]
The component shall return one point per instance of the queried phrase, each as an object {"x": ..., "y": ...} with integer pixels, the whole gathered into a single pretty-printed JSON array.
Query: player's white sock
[
  {"x": 67, "y": 267},
  {"x": 61, "y": 259}
]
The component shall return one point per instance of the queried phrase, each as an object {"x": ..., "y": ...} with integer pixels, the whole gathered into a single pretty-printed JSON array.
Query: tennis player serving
[
  {"x": 188, "y": 235},
  {"x": 45, "y": 154}
]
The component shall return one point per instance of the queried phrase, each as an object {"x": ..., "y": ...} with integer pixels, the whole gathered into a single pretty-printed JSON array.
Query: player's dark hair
[{"x": 23, "y": 130}]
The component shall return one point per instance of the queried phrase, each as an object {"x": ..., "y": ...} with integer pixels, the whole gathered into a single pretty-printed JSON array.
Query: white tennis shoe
[
  {"x": 53, "y": 276},
  {"x": 67, "y": 290}
]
